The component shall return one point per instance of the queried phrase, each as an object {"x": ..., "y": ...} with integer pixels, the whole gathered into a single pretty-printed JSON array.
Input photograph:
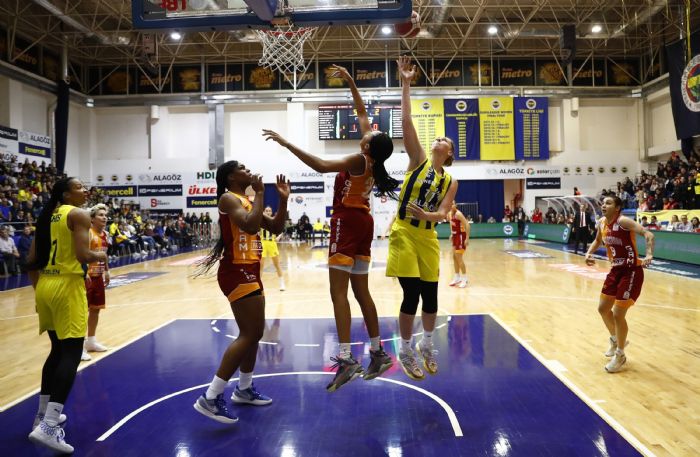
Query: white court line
[
  {"x": 576, "y": 390},
  {"x": 84, "y": 365},
  {"x": 307, "y": 345},
  {"x": 450, "y": 413}
]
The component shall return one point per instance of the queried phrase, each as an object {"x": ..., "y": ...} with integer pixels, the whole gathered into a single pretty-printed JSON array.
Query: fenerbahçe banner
[
  {"x": 684, "y": 80},
  {"x": 496, "y": 121},
  {"x": 428, "y": 119}
]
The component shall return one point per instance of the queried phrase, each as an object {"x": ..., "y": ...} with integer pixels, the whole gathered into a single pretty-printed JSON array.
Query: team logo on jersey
[{"x": 690, "y": 84}]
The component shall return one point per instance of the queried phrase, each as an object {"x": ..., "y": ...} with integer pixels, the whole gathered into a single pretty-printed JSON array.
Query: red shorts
[
  {"x": 458, "y": 242},
  {"x": 236, "y": 280},
  {"x": 352, "y": 231},
  {"x": 95, "y": 288},
  {"x": 624, "y": 283}
]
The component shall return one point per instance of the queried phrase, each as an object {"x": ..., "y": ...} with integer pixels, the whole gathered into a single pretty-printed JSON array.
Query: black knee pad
[
  {"x": 429, "y": 294},
  {"x": 411, "y": 295}
]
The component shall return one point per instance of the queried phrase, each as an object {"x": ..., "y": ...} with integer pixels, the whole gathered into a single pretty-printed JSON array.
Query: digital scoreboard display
[{"x": 339, "y": 122}]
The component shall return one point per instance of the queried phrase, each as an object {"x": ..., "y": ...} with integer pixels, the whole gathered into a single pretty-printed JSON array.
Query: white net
[{"x": 283, "y": 48}]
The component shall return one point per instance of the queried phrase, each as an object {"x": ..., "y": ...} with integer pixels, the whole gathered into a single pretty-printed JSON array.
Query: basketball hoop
[{"x": 283, "y": 48}]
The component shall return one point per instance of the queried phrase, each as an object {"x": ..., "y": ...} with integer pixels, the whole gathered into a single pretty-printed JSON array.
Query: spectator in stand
[
  {"x": 480, "y": 219},
  {"x": 684, "y": 225},
  {"x": 673, "y": 224},
  {"x": 25, "y": 242},
  {"x": 551, "y": 215},
  {"x": 644, "y": 222},
  {"x": 5, "y": 210},
  {"x": 695, "y": 222},
  {"x": 537, "y": 216},
  {"x": 491, "y": 220},
  {"x": 507, "y": 213},
  {"x": 8, "y": 251},
  {"x": 672, "y": 203}
]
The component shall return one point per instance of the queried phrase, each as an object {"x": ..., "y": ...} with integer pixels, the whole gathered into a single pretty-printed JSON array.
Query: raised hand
[
  {"x": 340, "y": 72},
  {"x": 283, "y": 187},
  {"x": 257, "y": 184},
  {"x": 406, "y": 70},
  {"x": 274, "y": 136}
]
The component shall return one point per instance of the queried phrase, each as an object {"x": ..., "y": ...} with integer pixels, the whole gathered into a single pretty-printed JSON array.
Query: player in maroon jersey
[
  {"x": 459, "y": 235},
  {"x": 624, "y": 281}
]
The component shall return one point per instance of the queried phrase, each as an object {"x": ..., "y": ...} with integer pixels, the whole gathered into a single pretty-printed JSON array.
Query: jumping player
[
  {"x": 624, "y": 282},
  {"x": 459, "y": 234},
  {"x": 238, "y": 253},
  {"x": 352, "y": 229},
  {"x": 426, "y": 196}
]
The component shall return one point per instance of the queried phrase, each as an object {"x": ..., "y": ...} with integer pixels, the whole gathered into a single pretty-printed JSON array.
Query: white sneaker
[
  {"x": 455, "y": 281},
  {"x": 85, "y": 356},
  {"x": 616, "y": 362},
  {"x": 613, "y": 346},
  {"x": 95, "y": 347},
  {"x": 52, "y": 437},
  {"x": 62, "y": 418},
  {"x": 282, "y": 284},
  {"x": 463, "y": 283}
]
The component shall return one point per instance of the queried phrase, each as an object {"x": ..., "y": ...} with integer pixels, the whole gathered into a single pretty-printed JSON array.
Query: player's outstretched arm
[{"x": 416, "y": 154}]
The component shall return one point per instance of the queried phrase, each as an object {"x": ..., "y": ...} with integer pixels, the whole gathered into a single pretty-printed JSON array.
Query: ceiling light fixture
[
  {"x": 597, "y": 28},
  {"x": 493, "y": 30},
  {"x": 386, "y": 30},
  {"x": 175, "y": 35}
]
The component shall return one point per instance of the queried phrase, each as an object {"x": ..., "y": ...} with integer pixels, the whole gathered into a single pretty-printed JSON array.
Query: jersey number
[{"x": 54, "y": 247}]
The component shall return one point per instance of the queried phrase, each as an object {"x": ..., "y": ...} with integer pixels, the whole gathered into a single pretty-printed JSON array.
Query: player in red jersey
[
  {"x": 352, "y": 231},
  {"x": 459, "y": 235},
  {"x": 624, "y": 282},
  {"x": 97, "y": 278},
  {"x": 238, "y": 253}
]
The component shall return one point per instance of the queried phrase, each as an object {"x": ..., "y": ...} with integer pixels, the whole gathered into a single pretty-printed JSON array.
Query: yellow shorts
[
  {"x": 269, "y": 248},
  {"x": 61, "y": 302},
  {"x": 413, "y": 253}
]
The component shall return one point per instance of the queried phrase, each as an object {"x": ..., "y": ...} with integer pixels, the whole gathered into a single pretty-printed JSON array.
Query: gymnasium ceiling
[{"x": 99, "y": 32}]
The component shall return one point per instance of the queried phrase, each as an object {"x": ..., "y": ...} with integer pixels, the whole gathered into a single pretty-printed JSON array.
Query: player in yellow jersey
[
  {"x": 238, "y": 253},
  {"x": 270, "y": 249},
  {"x": 55, "y": 265},
  {"x": 426, "y": 196}
]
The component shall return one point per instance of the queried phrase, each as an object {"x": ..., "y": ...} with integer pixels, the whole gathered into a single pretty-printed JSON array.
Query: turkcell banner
[
  {"x": 678, "y": 246},
  {"x": 120, "y": 192},
  {"x": 548, "y": 232},
  {"x": 531, "y": 128},
  {"x": 496, "y": 122},
  {"x": 684, "y": 80},
  {"x": 429, "y": 120},
  {"x": 462, "y": 126},
  {"x": 202, "y": 202},
  {"x": 20, "y": 146}
]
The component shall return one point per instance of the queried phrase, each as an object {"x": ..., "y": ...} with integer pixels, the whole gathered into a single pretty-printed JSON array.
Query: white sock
[
  {"x": 374, "y": 343},
  {"x": 344, "y": 350},
  {"x": 245, "y": 380},
  {"x": 91, "y": 340},
  {"x": 406, "y": 345},
  {"x": 427, "y": 338},
  {"x": 43, "y": 401},
  {"x": 53, "y": 412},
  {"x": 216, "y": 388}
]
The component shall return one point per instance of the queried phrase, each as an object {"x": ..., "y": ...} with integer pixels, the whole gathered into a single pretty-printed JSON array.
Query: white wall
[{"x": 604, "y": 132}]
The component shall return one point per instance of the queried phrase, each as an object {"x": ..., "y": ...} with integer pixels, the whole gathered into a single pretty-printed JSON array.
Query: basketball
[{"x": 409, "y": 29}]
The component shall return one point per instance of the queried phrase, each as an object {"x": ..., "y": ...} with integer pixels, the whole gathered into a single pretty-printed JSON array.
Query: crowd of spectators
[{"x": 24, "y": 187}]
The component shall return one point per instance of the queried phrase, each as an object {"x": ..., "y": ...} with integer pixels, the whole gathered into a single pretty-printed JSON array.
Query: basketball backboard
[{"x": 258, "y": 14}]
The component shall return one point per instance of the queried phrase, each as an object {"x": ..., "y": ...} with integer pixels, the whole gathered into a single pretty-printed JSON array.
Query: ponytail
[
  {"x": 380, "y": 149},
  {"x": 204, "y": 265},
  {"x": 42, "y": 234}
]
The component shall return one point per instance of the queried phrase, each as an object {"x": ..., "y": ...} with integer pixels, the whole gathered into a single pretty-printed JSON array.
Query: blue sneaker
[
  {"x": 215, "y": 409},
  {"x": 250, "y": 396}
]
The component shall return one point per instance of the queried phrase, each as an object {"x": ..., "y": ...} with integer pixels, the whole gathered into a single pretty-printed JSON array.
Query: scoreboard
[{"x": 339, "y": 122}]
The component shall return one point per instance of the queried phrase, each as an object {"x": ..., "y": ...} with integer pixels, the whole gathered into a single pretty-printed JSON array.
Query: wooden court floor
[{"x": 548, "y": 303}]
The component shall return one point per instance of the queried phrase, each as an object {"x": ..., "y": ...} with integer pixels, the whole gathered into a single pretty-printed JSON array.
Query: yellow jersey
[
  {"x": 62, "y": 260},
  {"x": 425, "y": 187}
]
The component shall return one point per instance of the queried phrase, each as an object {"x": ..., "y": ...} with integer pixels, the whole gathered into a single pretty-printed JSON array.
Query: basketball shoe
[
  {"x": 409, "y": 364},
  {"x": 428, "y": 354},
  {"x": 379, "y": 363},
  {"x": 616, "y": 362},
  {"x": 250, "y": 396},
  {"x": 215, "y": 409},
  {"x": 51, "y": 436},
  {"x": 347, "y": 370}
]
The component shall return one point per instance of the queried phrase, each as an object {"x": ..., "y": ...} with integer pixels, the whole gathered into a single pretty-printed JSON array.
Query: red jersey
[
  {"x": 620, "y": 243},
  {"x": 459, "y": 235},
  {"x": 353, "y": 191},
  {"x": 239, "y": 246},
  {"x": 98, "y": 242}
]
